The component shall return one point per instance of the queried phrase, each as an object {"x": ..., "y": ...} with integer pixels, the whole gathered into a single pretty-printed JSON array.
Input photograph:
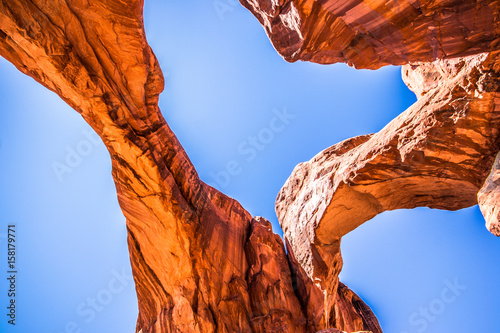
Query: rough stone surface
[
  {"x": 437, "y": 153},
  {"x": 201, "y": 263},
  {"x": 489, "y": 199},
  {"x": 374, "y": 33}
]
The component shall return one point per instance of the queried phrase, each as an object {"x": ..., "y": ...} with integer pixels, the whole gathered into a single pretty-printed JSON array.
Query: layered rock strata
[
  {"x": 201, "y": 263},
  {"x": 371, "y": 34}
]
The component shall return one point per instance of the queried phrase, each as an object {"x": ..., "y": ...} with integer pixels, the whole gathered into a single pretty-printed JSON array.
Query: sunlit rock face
[
  {"x": 374, "y": 33},
  {"x": 489, "y": 199},
  {"x": 437, "y": 154},
  {"x": 201, "y": 263}
]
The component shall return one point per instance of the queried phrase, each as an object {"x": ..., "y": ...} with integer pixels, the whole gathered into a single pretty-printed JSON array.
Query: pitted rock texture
[
  {"x": 201, "y": 263},
  {"x": 437, "y": 154},
  {"x": 374, "y": 33}
]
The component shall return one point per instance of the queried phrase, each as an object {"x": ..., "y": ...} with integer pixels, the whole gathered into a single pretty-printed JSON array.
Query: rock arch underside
[{"x": 232, "y": 274}]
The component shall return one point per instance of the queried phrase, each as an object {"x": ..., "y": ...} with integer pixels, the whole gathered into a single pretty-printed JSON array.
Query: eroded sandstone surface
[
  {"x": 201, "y": 263},
  {"x": 489, "y": 199},
  {"x": 374, "y": 33},
  {"x": 437, "y": 154}
]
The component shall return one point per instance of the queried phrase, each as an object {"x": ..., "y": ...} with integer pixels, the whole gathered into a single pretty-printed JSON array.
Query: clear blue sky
[{"x": 224, "y": 81}]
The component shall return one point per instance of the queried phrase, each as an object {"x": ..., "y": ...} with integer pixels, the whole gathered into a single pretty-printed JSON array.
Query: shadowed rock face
[
  {"x": 374, "y": 33},
  {"x": 201, "y": 263}
]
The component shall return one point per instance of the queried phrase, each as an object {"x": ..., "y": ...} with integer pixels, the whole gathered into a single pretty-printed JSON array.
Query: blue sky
[{"x": 420, "y": 270}]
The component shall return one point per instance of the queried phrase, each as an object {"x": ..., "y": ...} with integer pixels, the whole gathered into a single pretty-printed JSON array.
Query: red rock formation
[
  {"x": 437, "y": 153},
  {"x": 200, "y": 262},
  {"x": 374, "y": 33},
  {"x": 489, "y": 199}
]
